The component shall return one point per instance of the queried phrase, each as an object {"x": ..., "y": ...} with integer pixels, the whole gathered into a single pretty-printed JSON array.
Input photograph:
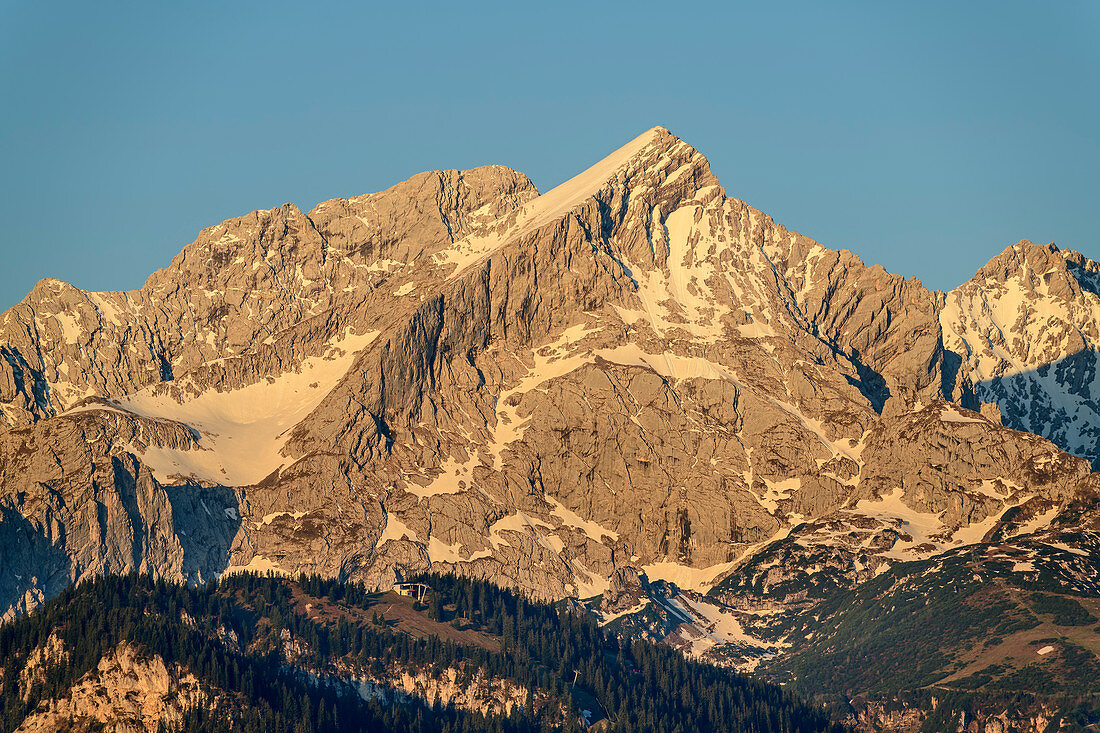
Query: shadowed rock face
[
  {"x": 631, "y": 371},
  {"x": 76, "y": 504}
]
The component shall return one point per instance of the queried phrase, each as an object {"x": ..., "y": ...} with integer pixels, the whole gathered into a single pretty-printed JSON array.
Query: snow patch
[
  {"x": 922, "y": 527},
  {"x": 70, "y": 327},
  {"x": 269, "y": 518},
  {"x": 570, "y": 518},
  {"x": 453, "y": 478},
  {"x": 606, "y": 618},
  {"x": 244, "y": 430},
  {"x": 953, "y": 415},
  {"x": 685, "y": 576},
  {"x": 258, "y": 564},
  {"x": 395, "y": 529}
]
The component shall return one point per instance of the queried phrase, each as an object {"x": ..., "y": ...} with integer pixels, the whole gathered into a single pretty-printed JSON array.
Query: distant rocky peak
[
  {"x": 1022, "y": 257},
  {"x": 1027, "y": 328},
  {"x": 1061, "y": 274}
]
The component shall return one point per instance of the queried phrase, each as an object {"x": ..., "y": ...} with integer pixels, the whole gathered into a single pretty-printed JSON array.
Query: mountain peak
[
  {"x": 1022, "y": 256},
  {"x": 649, "y": 149},
  {"x": 1063, "y": 272}
]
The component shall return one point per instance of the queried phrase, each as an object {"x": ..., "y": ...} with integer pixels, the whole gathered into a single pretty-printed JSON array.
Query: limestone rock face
[
  {"x": 885, "y": 324},
  {"x": 229, "y": 292},
  {"x": 78, "y": 503},
  {"x": 128, "y": 691},
  {"x": 631, "y": 375}
]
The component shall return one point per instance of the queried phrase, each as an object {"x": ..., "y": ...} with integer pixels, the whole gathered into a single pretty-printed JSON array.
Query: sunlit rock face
[
  {"x": 631, "y": 374},
  {"x": 1027, "y": 327}
]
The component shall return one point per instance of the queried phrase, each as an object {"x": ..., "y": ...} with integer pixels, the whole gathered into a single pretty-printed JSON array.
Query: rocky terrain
[
  {"x": 128, "y": 691},
  {"x": 632, "y": 374},
  {"x": 1025, "y": 327}
]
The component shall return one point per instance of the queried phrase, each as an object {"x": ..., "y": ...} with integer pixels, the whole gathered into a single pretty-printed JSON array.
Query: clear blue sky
[{"x": 922, "y": 136}]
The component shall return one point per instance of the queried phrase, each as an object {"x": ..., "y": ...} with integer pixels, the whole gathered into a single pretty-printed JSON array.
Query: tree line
[{"x": 232, "y": 636}]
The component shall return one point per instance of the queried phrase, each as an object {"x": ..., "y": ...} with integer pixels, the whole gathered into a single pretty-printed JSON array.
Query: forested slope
[{"x": 272, "y": 654}]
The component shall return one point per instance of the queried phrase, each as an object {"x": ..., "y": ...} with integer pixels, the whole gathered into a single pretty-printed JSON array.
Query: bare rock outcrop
[{"x": 128, "y": 691}]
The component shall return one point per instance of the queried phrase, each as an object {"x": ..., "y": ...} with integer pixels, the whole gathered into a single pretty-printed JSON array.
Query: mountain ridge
[{"x": 631, "y": 372}]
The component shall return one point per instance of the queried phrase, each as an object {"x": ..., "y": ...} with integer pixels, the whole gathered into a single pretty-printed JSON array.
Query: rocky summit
[{"x": 632, "y": 386}]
